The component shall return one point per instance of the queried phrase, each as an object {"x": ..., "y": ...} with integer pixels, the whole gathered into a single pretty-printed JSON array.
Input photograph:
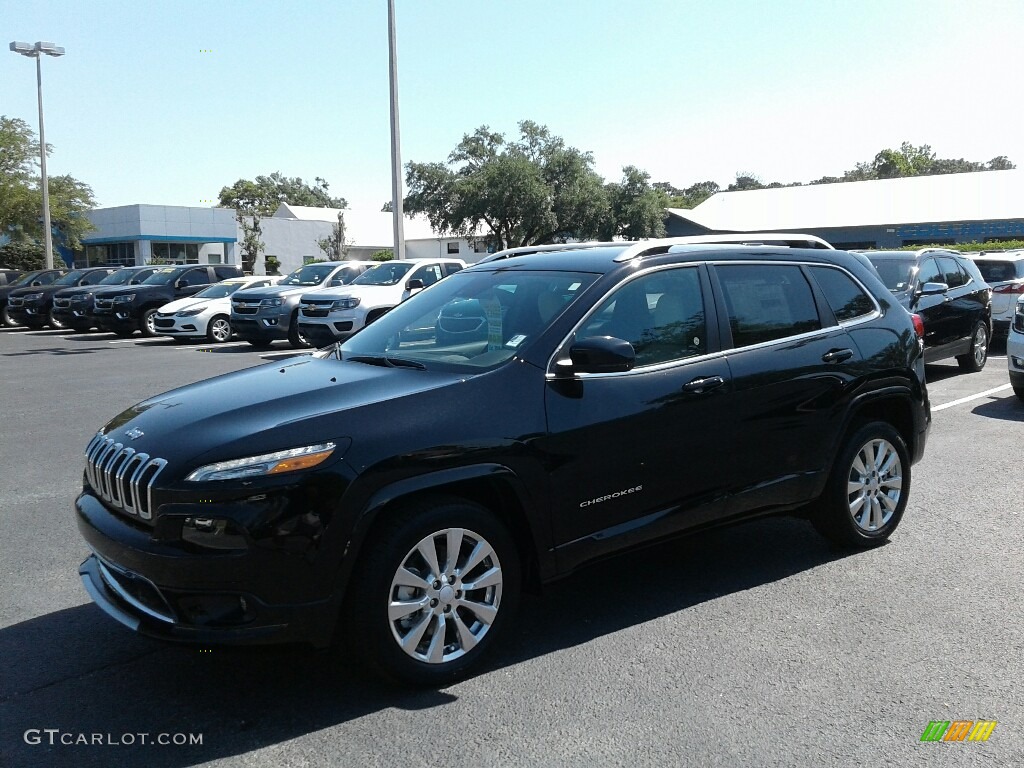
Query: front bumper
[
  {"x": 322, "y": 334},
  {"x": 180, "y": 326},
  {"x": 173, "y": 593},
  {"x": 116, "y": 319},
  {"x": 260, "y": 327}
]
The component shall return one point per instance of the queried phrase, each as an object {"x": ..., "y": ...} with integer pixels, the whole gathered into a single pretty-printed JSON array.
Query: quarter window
[
  {"x": 660, "y": 314},
  {"x": 767, "y": 302},
  {"x": 846, "y": 298}
]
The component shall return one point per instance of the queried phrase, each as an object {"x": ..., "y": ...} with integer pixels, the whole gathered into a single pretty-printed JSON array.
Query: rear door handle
[
  {"x": 837, "y": 355},
  {"x": 702, "y": 385}
]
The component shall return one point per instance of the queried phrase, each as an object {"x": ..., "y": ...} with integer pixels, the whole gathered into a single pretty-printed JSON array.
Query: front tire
[
  {"x": 55, "y": 323},
  {"x": 436, "y": 587},
  {"x": 147, "y": 323},
  {"x": 975, "y": 360},
  {"x": 867, "y": 490},
  {"x": 295, "y": 337},
  {"x": 8, "y": 321},
  {"x": 218, "y": 330}
]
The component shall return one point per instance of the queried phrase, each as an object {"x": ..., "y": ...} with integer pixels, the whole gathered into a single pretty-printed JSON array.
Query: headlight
[
  {"x": 191, "y": 312},
  {"x": 265, "y": 464},
  {"x": 32, "y": 296},
  {"x": 124, "y": 299},
  {"x": 271, "y": 302},
  {"x": 349, "y": 302}
]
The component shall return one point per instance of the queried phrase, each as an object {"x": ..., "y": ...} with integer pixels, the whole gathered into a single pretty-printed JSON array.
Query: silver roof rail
[
  {"x": 788, "y": 239},
  {"x": 525, "y": 249}
]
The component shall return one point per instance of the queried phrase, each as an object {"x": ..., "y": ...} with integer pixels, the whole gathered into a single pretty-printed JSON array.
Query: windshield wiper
[{"x": 384, "y": 360}]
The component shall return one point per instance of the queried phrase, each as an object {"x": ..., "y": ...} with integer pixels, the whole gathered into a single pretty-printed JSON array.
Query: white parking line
[
  {"x": 50, "y": 332},
  {"x": 968, "y": 399},
  {"x": 208, "y": 345}
]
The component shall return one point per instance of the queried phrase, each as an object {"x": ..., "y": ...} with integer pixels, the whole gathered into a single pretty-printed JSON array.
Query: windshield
[
  {"x": 471, "y": 321},
  {"x": 310, "y": 274},
  {"x": 70, "y": 278},
  {"x": 25, "y": 279},
  {"x": 120, "y": 277},
  {"x": 897, "y": 274},
  {"x": 161, "y": 277},
  {"x": 385, "y": 274},
  {"x": 218, "y": 290}
]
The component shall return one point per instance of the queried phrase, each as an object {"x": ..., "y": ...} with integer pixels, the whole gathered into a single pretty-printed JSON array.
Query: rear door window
[
  {"x": 953, "y": 276},
  {"x": 766, "y": 302},
  {"x": 930, "y": 273},
  {"x": 844, "y": 295}
]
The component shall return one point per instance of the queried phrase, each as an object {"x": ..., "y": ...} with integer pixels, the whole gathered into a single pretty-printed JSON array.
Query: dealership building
[
  {"x": 955, "y": 208},
  {"x": 137, "y": 234}
]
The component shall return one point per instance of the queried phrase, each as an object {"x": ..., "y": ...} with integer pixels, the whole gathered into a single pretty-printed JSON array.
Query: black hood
[{"x": 267, "y": 408}]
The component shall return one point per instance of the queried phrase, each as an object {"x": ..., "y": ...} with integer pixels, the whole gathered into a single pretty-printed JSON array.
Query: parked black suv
[
  {"x": 34, "y": 306},
  {"x": 129, "y": 309},
  {"x": 73, "y": 307},
  {"x": 951, "y": 297},
  {"x": 39, "y": 277},
  {"x": 401, "y": 492}
]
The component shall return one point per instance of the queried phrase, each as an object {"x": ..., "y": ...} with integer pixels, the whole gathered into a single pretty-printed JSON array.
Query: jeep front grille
[{"x": 121, "y": 476}]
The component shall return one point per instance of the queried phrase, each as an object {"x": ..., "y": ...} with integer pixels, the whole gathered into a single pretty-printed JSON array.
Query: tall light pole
[
  {"x": 36, "y": 51},
  {"x": 396, "y": 153}
]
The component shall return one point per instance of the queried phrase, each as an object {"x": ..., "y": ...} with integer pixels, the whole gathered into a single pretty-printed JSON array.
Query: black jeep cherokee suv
[
  {"x": 126, "y": 309},
  {"x": 401, "y": 491}
]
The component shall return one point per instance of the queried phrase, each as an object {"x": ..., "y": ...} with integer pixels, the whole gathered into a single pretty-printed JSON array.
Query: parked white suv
[
  {"x": 1015, "y": 349},
  {"x": 207, "y": 313},
  {"x": 1004, "y": 271},
  {"x": 328, "y": 315}
]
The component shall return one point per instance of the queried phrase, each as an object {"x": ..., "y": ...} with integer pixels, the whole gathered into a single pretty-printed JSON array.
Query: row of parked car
[
  {"x": 323, "y": 301},
  {"x": 962, "y": 302}
]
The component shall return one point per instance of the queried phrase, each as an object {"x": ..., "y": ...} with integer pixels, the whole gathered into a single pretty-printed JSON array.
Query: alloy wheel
[
  {"x": 875, "y": 485},
  {"x": 980, "y": 346},
  {"x": 445, "y": 595},
  {"x": 220, "y": 330}
]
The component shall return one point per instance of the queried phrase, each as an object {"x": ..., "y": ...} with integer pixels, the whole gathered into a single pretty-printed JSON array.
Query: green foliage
[
  {"x": 23, "y": 254},
  {"x": 252, "y": 200},
  {"x": 973, "y": 247},
  {"x": 637, "y": 209},
  {"x": 159, "y": 261},
  {"x": 337, "y": 246},
  {"x": 272, "y": 265},
  {"x": 382, "y": 255},
  {"x": 21, "y": 196},
  {"x": 533, "y": 190}
]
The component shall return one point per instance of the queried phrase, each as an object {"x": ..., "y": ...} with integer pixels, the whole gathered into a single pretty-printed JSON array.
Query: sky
[{"x": 166, "y": 102}]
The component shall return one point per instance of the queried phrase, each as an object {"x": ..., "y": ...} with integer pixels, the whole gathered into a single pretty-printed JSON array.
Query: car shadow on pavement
[
  {"x": 1005, "y": 408},
  {"x": 78, "y": 671}
]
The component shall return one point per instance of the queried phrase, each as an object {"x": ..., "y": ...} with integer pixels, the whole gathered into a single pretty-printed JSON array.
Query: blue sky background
[{"x": 687, "y": 90}]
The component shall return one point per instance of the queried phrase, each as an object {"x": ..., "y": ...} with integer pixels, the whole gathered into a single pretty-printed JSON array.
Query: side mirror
[
  {"x": 335, "y": 282},
  {"x": 414, "y": 284},
  {"x": 932, "y": 289},
  {"x": 36, "y": 282},
  {"x": 602, "y": 354},
  {"x": 179, "y": 283}
]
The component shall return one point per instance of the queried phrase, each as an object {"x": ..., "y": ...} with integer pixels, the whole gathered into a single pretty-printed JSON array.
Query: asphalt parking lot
[{"x": 757, "y": 645}]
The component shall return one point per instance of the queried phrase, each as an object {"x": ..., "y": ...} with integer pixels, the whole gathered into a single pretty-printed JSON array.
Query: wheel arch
[{"x": 492, "y": 486}]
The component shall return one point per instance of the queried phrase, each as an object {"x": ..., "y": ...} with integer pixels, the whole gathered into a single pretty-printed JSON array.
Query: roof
[
  {"x": 981, "y": 196},
  {"x": 364, "y": 227}
]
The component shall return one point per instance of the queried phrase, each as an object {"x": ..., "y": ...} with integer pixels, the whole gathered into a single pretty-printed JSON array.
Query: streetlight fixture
[
  {"x": 396, "y": 159},
  {"x": 35, "y": 52}
]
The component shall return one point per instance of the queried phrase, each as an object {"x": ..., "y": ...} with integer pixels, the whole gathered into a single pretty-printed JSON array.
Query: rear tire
[
  {"x": 218, "y": 330},
  {"x": 455, "y": 608},
  {"x": 975, "y": 360},
  {"x": 867, "y": 490}
]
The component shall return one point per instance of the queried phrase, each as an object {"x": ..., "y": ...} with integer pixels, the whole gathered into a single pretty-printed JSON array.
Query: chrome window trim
[{"x": 550, "y": 375}]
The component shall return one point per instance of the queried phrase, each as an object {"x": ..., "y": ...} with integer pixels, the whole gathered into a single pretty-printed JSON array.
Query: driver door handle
[
  {"x": 837, "y": 355},
  {"x": 702, "y": 385}
]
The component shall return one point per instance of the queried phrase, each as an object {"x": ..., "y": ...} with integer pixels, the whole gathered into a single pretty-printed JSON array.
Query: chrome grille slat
[{"x": 121, "y": 476}]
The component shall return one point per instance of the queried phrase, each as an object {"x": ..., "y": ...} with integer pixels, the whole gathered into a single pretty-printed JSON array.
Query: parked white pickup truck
[{"x": 328, "y": 315}]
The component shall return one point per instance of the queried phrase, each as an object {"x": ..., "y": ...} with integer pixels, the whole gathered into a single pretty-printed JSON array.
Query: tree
[
  {"x": 23, "y": 255},
  {"x": 383, "y": 254},
  {"x": 252, "y": 200},
  {"x": 533, "y": 190},
  {"x": 745, "y": 180},
  {"x": 337, "y": 246},
  {"x": 638, "y": 210},
  {"x": 21, "y": 196}
]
